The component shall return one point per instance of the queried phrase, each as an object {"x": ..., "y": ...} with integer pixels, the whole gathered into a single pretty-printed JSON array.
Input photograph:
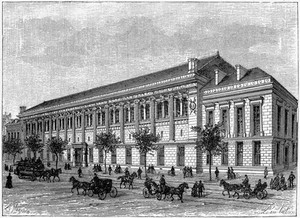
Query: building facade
[{"x": 259, "y": 115}]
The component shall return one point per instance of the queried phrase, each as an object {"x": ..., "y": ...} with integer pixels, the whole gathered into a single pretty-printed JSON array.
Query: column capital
[
  {"x": 121, "y": 104},
  {"x": 106, "y": 106},
  {"x": 136, "y": 101},
  {"x": 171, "y": 95},
  {"x": 152, "y": 98}
]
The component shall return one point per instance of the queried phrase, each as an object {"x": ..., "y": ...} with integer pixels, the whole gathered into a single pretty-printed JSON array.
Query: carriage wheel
[
  {"x": 158, "y": 196},
  {"x": 91, "y": 193},
  {"x": 260, "y": 195},
  {"x": 102, "y": 195},
  {"x": 146, "y": 193},
  {"x": 247, "y": 194},
  {"x": 113, "y": 192},
  {"x": 265, "y": 193}
]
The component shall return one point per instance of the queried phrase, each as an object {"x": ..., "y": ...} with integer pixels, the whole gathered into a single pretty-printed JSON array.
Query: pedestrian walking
[
  {"x": 79, "y": 172},
  {"x": 266, "y": 172},
  {"x": 217, "y": 173},
  {"x": 109, "y": 170},
  {"x": 201, "y": 188},
  {"x": 8, "y": 181},
  {"x": 291, "y": 180},
  {"x": 139, "y": 173}
]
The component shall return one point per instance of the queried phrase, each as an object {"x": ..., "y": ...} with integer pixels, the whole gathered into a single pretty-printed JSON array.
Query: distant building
[
  {"x": 259, "y": 115},
  {"x": 6, "y": 118}
]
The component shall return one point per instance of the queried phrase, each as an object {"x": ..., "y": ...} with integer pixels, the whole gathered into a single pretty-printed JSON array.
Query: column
[
  {"x": 121, "y": 117},
  {"x": 114, "y": 115},
  {"x": 57, "y": 126},
  {"x": 94, "y": 123},
  {"x": 152, "y": 115},
  {"x": 163, "y": 108},
  {"x": 30, "y": 127},
  {"x": 50, "y": 127},
  {"x": 171, "y": 112},
  {"x": 136, "y": 115},
  {"x": 145, "y": 111},
  {"x": 66, "y": 127},
  {"x": 181, "y": 106},
  {"x": 83, "y": 126},
  {"x": 43, "y": 130},
  {"x": 73, "y": 127},
  {"x": 261, "y": 120},
  {"x": 107, "y": 118}
]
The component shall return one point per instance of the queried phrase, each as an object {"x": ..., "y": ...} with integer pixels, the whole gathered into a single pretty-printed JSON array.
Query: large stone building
[{"x": 259, "y": 114}]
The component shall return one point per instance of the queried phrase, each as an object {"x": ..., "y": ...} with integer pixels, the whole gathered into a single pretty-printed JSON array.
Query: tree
[
  {"x": 13, "y": 147},
  {"x": 106, "y": 142},
  {"x": 145, "y": 143},
  {"x": 34, "y": 143},
  {"x": 56, "y": 146},
  {"x": 210, "y": 139}
]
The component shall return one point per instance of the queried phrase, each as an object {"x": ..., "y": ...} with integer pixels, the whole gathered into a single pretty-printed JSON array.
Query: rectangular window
[
  {"x": 240, "y": 121},
  {"x": 128, "y": 155},
  {"x": 256, "y": 153},
  {"x": 98, "y": 119},
  {"x": 142, "y": 159},
  {"x": 256, "y": 119},
  {"x": 224, "y": 156},
  {"x": 60, "y": 157},
  {"x": 278, "y": 119},
  {"x": 185, "y": 107},
  {"x": 166, "y": 108},
  {"x": 286, "y": 122},
  {"x": 48, "y": 156},
  {"x": 293, "y": 125},
  {"x": 239, "y": 154},
  {"x": 161, "y": 156},
  {"x": 177, "y": 107},
  {"x": 278, "y": 153},
  {"x": 103, "y": 118},
  {"x": 142, "y": 112},
  {"x": 147, "y": 111},
  {"x": 69, "y": 154},
  {"x": 111, "y": 116},
  {"x": 53, "y": 157},
  {"x": 293, "y": 152},
  {"x": 91, "y": 119},
  {"x": 159, "y": 110},
  {"x": 131, "y": 114},
  {"x": 161, "y": 134},
  {"x": 100, "y": 155},
  {"x": 117, "y": 116},
  {"x": 91, "y": 155},
  {"x": 180, "y": 155},
  {"x": 210, "y": 117},
  {"x": 28, "y": 153},
  {"x": 224, "y": 117},
  {"x": 114, "y": 156},
  {"x": 207, "y": 159}
]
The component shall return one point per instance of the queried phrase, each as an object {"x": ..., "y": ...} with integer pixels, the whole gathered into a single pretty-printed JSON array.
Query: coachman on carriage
[
  {"x": 27, "y": 169},
  {"x": 101, "y": 187}
]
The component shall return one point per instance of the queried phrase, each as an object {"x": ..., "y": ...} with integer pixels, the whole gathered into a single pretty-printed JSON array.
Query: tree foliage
[
  {"x": 210, "y": 139},
  {"x": 34, "y": 143},
  {"x": 56, "y": 146},
  {"x": 106, "y": 142},
  {"x": 13, "y": 147},
  {"x": 145, "y": 142}
]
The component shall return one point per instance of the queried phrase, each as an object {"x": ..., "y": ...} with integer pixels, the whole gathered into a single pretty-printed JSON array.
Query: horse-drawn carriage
[
  {"x": 260, "y": 192},
  {"x": 151, "y": 189},
  {"x": 28, "y": 170},
  {"x": 103, "y": 187}
]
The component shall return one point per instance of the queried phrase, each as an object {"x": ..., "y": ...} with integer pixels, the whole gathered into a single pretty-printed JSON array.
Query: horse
[
  {"x": 230, "y": 187},
  {"x": 178, "y": 191},
  {"x": 45, "y": 175},
  {"x": 55, "y": 173},
  {"x": 127, "y": 179},
  {"x": 79, "y": 185}
]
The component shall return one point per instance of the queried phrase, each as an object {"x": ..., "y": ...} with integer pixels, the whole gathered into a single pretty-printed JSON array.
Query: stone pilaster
[
  {"x": 107, "y": 118},
  {"x": 73, "y": 128},
  {"x": 136, "y": 115},
  {"x": 43, "y": 130},
  {"x": 83, "y": 126},
  {"x": 94, "y": 123},
  {"x": 247, "y": 153},
  {"x": 66, "y": 126},
  {"x": 152, "y": 115},
  {"x": 57, "y": 126},
  {"x": 121, "y": 111},
  {"x": 231, "y": 153},
  {"x": 171, "y": 113},
  {"x": 50, "y": 127}
]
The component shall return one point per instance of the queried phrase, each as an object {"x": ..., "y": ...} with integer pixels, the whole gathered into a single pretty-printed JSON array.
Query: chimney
[
  {"x": 22, "y": 109},
  {"x": 219, "y": 75},
  {"x": 240, "y": 71},
  {"x": 193, "y": 65}
]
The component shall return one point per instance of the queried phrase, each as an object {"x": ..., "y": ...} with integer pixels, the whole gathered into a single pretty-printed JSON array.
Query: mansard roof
[{"x": 125, "y": 84}]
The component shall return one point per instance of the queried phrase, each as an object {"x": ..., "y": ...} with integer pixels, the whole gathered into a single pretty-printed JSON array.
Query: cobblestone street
[{"x": 56, "y": 199}]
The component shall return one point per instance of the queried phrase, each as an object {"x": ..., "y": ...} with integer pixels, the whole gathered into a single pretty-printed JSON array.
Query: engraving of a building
[{"x": 259, "y": 115}]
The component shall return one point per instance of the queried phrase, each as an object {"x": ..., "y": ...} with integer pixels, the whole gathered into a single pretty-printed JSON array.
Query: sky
[{"x": 53, "y": 49}]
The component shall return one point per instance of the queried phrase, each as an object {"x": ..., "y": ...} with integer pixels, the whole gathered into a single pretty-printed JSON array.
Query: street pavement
[{"x": 56, "y": 199}]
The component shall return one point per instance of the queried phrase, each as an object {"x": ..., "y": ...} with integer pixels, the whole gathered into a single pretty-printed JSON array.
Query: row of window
[
  {"x": 286, "y": 121},
  {"x": 239, "y": 119},
  {"x": 162, "y": 111},
  {"x": 13, "y": 135}
]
